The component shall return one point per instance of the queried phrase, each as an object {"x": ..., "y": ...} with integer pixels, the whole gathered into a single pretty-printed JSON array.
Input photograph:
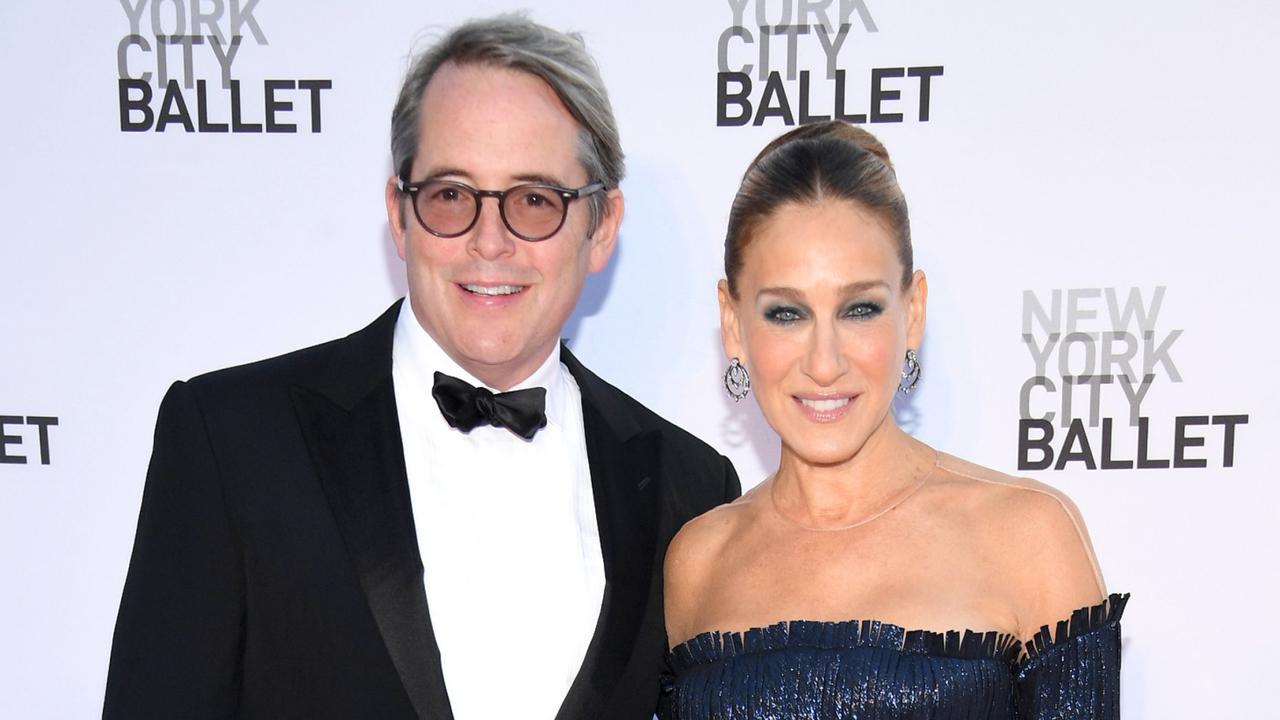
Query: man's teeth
[
  {"x": 493, "y": 289},
  {"x": 825, "y": 405}
]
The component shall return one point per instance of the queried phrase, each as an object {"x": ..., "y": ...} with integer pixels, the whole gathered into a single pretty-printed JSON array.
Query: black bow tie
[{"x": 466, "y": 407}]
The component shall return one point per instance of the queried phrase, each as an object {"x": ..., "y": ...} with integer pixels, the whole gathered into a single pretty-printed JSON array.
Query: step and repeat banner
[{"x": 192, "y": 184}]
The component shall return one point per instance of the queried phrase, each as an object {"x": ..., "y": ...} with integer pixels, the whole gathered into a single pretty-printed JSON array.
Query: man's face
[{"x": 493, "y": 302}]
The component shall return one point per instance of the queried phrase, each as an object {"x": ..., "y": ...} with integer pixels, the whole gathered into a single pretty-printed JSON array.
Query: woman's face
[{"x": 822, "y": 323}]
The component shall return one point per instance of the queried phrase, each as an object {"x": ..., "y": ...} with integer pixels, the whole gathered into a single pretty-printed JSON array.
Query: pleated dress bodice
[{"x": 869, "y": 670}]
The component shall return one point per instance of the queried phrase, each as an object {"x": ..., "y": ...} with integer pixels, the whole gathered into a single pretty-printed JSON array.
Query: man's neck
[{"x": 498, "y": 376}]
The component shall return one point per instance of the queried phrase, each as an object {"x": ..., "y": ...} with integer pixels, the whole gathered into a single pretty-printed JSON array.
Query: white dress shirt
[{"x": 507, "y": 532}]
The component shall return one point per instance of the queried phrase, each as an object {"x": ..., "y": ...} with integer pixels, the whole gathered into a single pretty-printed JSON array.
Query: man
[{"x": 353, "y": 530}]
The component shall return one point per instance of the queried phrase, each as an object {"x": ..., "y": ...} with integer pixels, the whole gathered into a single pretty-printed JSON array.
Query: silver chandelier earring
[
  {"x": 910, "y": 373},
  {"x": 737, "y": 382}
]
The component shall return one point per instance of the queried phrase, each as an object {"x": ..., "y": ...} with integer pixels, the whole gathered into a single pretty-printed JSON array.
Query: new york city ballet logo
[
  {"x": 798, "y": 61},
  {"x": 1100, "y": 356},
  {"x": 24, "y": 439},
  {"x": 177, "y": 71}
]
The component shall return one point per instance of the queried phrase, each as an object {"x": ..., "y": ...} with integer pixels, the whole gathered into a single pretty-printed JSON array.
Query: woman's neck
[{"x": 890, "y": 466}]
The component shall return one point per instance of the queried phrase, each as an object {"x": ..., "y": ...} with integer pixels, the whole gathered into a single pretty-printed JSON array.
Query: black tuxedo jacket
[{"x": 276, "y": 574}]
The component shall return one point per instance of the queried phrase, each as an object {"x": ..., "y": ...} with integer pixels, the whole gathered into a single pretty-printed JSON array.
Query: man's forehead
[
  {"x": 484, "y": 88},
  {"x": 479, "y": 119}
]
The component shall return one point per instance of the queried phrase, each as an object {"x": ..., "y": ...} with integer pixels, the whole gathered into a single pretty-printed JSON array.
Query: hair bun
[
  {"x": 810, "y": 164},
  {"x": 857, "y": 136},
  {"x": 828, "y": 129}
]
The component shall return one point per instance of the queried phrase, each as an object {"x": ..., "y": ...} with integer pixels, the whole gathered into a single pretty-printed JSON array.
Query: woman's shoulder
[
  {"x": 1046, "y": 556},
  {"x": 994, "y": 492},
  {"x": 694, "y": 559},
  {"x": 701, "y": 538}
]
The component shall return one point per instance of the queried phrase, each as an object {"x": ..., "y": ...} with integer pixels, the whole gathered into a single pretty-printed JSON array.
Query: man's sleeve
[
  {"x": 177, "y": 646},
  {"x": 732, "y": 487}
]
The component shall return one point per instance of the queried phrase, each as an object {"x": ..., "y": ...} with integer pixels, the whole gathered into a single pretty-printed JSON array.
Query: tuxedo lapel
[
  {"x": 623, "y": 461},
  {"x": 349, "y": 419}
]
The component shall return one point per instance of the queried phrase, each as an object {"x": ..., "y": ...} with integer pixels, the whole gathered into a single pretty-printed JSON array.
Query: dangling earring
[
  {"x": 910, "y": 373},
  {"x": 737, "y": 382}
]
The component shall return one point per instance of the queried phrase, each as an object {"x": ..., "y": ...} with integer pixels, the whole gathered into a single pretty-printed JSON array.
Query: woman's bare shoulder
[
  {"x": 1049, "y": 561},
  {"x": 1002, "y": 492},
  {"x": 693, "y": 556},
  {"x": 702, "y": 538}
]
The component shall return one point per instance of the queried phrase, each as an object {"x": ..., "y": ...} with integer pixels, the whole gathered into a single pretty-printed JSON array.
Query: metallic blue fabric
[{"x": 876, "y": 671}]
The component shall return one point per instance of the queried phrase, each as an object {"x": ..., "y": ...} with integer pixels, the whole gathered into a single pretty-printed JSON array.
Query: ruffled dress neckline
[
  {"x": 716, "y": 646},
  {"x": 872, "y": 670}
]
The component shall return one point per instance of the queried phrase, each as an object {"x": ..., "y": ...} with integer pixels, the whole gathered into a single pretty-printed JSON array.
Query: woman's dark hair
[{"x": 812, "y": 163}]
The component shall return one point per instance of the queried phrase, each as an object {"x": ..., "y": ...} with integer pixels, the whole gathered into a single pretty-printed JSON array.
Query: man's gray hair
[{"x": 515, "y": 42}]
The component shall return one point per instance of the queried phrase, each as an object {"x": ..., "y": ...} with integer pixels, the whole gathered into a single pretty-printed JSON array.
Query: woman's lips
[{"x": 826, "y": 408}]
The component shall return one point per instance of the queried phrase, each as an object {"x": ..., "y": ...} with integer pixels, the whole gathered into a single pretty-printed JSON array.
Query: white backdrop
[{"x": 1076, "y": 150}]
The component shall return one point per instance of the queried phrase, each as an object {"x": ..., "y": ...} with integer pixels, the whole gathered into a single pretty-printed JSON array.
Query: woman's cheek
[
  {"x": 769, "y": 349},
  {"x": 874, "y": 351}
]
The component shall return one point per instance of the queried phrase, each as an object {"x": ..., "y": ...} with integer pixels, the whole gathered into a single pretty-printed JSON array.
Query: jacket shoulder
[
  {"x": 631, "y": 417},
  {"x": 702, "y": 472},
  {"x": 366, "y": 350},
  {"x": 285, "y": 368},
  {"x": 340, "y": 367}
]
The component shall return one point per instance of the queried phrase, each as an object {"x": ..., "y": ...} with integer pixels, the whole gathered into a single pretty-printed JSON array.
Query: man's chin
[{"x": 509, "y": 360}]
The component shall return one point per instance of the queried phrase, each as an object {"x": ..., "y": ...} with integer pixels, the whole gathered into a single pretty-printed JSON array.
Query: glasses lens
[
  {"x": 534, "y": 211},
  {"x": 446, "y": 208}
]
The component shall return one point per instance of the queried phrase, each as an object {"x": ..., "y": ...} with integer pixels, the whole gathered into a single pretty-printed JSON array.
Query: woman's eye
[
  {"x": 783, "y": 315},
  {"x": 862, "y": 310}
]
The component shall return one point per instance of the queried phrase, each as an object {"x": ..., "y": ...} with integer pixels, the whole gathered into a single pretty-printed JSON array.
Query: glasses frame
[{"x": 567, "y": 194}]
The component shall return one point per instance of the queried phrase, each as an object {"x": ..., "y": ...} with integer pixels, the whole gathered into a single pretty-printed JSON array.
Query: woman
[{"x": 821, "y": 313}]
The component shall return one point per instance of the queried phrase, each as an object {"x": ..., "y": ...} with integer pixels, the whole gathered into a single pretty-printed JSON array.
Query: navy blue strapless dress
[{"x": 876, "y": 671}]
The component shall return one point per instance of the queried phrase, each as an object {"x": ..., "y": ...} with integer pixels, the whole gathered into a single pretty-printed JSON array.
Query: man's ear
[
  {"x": 730, "y": 330},
  {"x": 605, "y": 238},
  {"x": 395, "y": 214}
]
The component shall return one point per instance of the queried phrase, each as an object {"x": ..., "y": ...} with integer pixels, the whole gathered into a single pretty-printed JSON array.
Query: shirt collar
[{"x": 417, "y": 354}]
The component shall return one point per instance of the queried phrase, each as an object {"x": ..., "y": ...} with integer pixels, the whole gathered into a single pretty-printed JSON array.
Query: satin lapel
[
  {"x": 353, "y": 431},
  {"x": 623, "y": 462}
]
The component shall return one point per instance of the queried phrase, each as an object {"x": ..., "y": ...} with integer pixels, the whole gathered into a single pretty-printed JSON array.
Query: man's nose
[{"x": 490, "y": 238}]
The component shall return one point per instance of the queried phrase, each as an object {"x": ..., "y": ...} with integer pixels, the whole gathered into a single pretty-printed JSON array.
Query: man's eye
[
  {"x": 447, "y": 194},
  {"x": 535, "y": 199}
]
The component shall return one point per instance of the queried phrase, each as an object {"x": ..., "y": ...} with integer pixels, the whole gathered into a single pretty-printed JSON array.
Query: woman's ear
[
  {"x": 917, "y": 301},
  {"x": 730, "y": 331}
]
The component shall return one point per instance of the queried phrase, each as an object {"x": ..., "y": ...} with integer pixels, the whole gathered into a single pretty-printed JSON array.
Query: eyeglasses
[{"x": 531, "y": 212}]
